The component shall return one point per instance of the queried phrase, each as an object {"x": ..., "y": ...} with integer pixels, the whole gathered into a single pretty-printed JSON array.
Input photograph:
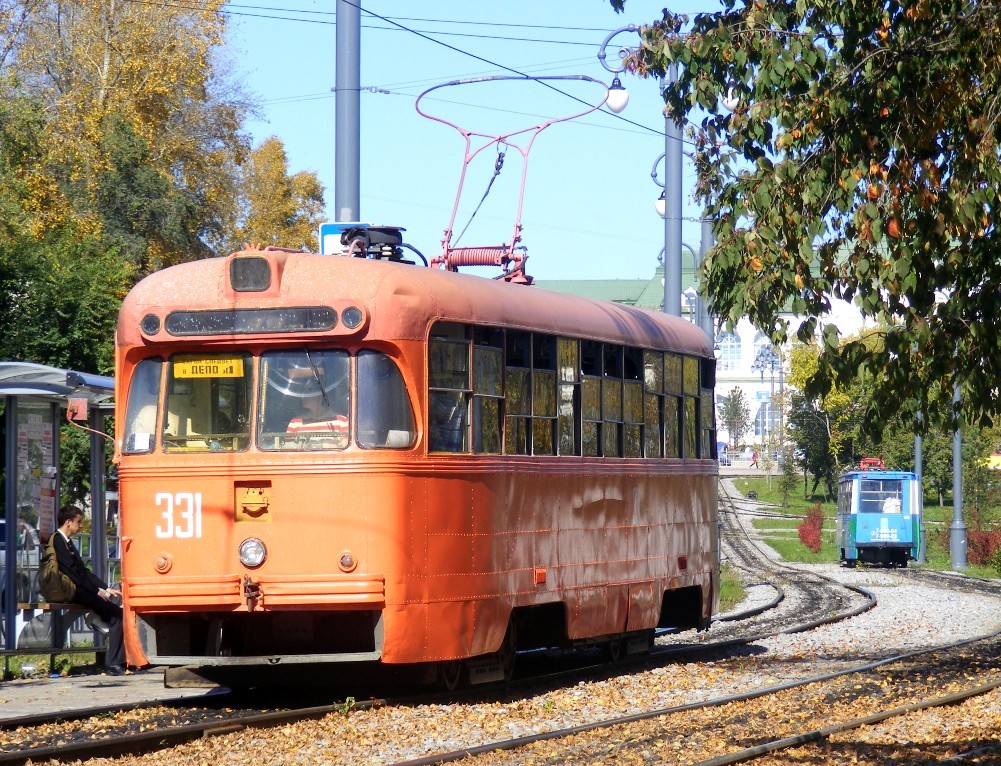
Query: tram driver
[{"x": 318, "y": 415}]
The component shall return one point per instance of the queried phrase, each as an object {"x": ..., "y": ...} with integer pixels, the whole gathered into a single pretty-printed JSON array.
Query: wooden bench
[{"x": 63, "y": 617}]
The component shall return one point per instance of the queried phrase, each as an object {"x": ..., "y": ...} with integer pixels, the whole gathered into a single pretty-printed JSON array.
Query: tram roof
[{"x": 400, "y": 300}]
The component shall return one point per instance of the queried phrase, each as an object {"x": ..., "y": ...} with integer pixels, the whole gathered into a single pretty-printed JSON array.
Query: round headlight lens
[
  {"x": 351, "y": 317},
  {"x": 253, "y": 552},
  {"x": 150, "y": 324},
  {"x": 347, "y": 562}
]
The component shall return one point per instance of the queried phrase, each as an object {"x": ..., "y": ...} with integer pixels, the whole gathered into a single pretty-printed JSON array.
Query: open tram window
[
  {"x": 304, "y": 400},
  {"x": 143, "y": 406},
  {"x": 385, "y": 417},
  {"x": 207, "y": 405}
]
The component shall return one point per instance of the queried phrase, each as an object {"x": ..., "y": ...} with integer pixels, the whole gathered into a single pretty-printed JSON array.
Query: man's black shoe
[{"x": 116, "y": 670}]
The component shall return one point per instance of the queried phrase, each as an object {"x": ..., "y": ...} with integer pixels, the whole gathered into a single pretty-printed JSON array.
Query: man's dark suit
[{"x": 87, "y": 587}]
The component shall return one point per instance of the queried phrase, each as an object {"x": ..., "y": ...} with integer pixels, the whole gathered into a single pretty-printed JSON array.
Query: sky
[{"x": 588, "y": 210}]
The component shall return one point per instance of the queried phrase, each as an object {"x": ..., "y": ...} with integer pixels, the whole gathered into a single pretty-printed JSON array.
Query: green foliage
[
  {"x": 59, "y": 301},
  {"x": 860, "y": 161},
  {"x": 140, "y": 205},
  {"x": 735, "y": 415},
  {"x": 788, "y": 475}
]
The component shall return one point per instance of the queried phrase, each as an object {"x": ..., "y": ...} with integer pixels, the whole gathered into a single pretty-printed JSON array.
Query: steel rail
[{"x": 518, "y": 742}]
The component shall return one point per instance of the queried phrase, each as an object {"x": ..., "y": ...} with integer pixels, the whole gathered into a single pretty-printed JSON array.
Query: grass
[
  {"x": 731, "y": 592},
  {"x": 780, "y": 534},
  {"x": 30, "y": 665}
]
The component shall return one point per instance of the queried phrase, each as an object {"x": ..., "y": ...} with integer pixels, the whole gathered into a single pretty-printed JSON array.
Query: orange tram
[{"x": 335, "y": 461}]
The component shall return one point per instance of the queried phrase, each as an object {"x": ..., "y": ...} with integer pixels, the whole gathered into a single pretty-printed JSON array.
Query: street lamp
[
  {"x": 770, "y": 358},
  {"x": 702, "y": 317},
  {"x": 672, "y": 171}
]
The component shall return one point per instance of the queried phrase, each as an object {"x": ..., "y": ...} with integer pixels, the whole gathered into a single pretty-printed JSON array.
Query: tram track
[
  {"x": 804, "y": 711},
  {"x": 784, "y": 612}
]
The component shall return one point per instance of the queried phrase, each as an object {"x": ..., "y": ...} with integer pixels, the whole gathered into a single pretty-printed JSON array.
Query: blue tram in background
[{"x": 879, "y": 516}]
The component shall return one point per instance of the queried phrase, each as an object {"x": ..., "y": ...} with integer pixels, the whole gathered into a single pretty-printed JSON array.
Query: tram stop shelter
[{"x": 35, "y": 399}]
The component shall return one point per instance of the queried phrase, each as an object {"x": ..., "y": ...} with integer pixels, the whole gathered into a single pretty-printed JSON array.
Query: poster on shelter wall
[{"x": 36, "y": 481}]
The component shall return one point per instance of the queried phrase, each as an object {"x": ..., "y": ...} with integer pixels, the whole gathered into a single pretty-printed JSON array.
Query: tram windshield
[
  {"x": 305, "y": 400},
  {"x": 207, "y": 407},
  {"x": 880, "y": 496}
]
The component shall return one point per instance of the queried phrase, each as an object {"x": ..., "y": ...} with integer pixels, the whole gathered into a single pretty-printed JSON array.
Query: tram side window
[
  {"x": 385, "y": 417},
  {"x": 304, "y": 400},
  {"x": 488, "y": 389},
  {"x": 568, "y": 353},
  {"x": 143, "y": 406},
  {"x": 673, "y": 387},
  {"x": 632, "y": 402},
  {"x": 544, "y": 438},
  {"x": 611, "y": 401},
  {"x": 653, "y": 403},
  {"x": 449, "y": 388},
  {"x": 691, "y": 422},
  {"x": 591, "y": 420},
  {"x": 208, "y": 403},
  {"x": 518, "y": 393},
  {"x": 707, "y": 404}
]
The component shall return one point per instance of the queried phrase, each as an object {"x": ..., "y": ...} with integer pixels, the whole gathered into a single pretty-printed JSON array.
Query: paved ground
[{"x": 43, "y": 695}]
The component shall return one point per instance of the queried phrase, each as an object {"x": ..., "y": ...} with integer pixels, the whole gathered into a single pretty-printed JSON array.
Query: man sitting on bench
[{"x": 91, "y": 591}]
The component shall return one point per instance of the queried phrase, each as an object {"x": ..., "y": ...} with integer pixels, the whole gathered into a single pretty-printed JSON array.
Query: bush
[
  {"x": 983, "y": 546},
  {"x": 810, "y": 529}
]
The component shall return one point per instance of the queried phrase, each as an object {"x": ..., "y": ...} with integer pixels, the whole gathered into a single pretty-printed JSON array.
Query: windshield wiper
[{"x": 316, "y": 374}]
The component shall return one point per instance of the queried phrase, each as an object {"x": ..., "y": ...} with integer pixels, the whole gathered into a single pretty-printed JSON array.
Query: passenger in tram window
[{"x": 91, "y": 591}]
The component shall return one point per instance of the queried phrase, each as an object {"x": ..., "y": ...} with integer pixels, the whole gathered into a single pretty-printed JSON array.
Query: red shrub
[
  {"x": 810, "y": 529},
  {"x": 982, "y": 544}
]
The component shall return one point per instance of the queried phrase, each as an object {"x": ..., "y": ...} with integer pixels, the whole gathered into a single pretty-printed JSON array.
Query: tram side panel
[{"x": 606, "y": 546}]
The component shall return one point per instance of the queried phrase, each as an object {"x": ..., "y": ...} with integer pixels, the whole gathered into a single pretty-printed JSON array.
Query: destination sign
[{"x": 208, "y": 367}]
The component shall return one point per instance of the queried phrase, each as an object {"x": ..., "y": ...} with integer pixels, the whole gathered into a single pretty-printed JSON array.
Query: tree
[
  {"x": 120, "y": 80},
  {"x": 861, "y": 161},
  {"x": 735, "y": 415},
  {"x": 276, "y": 208}
]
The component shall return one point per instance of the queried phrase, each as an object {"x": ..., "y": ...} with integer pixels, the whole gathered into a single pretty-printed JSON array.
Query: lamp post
[
  {"x": 702, "y": 317},
  {"x": 770, "y": 358},
  {"x": 617, "y": 100}
]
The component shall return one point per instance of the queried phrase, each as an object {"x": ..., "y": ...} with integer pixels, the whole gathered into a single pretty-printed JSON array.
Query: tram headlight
[
  {"x": 351, "y": 317},
  {"x": 253, "y": 552},
  {"x": 150, "y": 324},
  {"x": 347, "y": 561}
]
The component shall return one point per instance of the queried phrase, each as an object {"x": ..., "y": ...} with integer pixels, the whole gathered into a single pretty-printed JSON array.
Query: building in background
[{"x": 736, "y": 351}]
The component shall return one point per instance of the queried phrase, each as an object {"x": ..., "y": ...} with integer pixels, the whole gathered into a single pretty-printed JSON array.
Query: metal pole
[
  {"x": 957, "y": 531},
  {"x": 98, "y": 508},
  {"x": 705, "y": 315},
  {"x": 922, "y": 553},
  {"x": 347, "y": 124},
  {"x": 10, "y": 503},
  {"x": 672, "y": 221}
]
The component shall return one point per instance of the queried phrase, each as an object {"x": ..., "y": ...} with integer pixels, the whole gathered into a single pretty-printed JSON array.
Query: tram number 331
[{"x": 181, "y": 513}]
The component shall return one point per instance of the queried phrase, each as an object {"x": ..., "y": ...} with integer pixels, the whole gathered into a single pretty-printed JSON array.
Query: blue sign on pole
[{"x": 330, "y": 235}]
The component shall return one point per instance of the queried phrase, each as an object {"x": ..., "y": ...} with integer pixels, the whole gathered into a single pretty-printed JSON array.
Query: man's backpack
[{"x": 54, "y": 585}]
